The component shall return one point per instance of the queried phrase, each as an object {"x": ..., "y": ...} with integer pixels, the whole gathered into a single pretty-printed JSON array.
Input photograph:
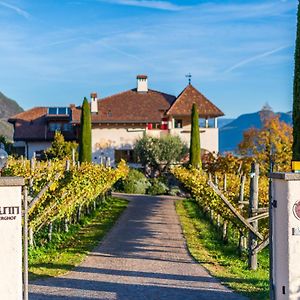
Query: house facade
[{"x": 119, "y": 120}]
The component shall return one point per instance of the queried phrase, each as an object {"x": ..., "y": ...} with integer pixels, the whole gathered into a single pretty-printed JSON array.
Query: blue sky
[{"x": 240, "y": 53}]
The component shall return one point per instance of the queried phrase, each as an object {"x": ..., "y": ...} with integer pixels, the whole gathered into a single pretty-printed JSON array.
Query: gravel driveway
[{"x": 143, "y": 257}]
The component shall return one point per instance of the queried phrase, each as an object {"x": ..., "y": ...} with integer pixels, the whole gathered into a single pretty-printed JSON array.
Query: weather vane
[{"x": 189, "y": 76}]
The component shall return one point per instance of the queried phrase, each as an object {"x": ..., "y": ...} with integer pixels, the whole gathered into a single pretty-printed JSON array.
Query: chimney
[
  {"x": 142, "y": 83},
  {"x": 94, "y": 103}
]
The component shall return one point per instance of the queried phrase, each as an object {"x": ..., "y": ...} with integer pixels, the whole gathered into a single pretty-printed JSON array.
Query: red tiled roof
[
  {"x": 132, "y": 106},
  {"x": 184, "y": 102},
  {"x": 32, "y": 125}
]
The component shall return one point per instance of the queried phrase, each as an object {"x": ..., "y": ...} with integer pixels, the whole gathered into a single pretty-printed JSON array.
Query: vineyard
[
  {"x": 60, "y": 193},
  {"x": 226, "y": 198}
]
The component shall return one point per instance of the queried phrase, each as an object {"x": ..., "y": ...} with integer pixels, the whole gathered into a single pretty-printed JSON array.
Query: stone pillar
[
  {"x": 285, "y": 213},
  {"x": 11, "y": 287}
]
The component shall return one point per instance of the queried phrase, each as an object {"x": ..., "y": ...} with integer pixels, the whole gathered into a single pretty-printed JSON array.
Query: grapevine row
[{"x": 70, "y": 189}]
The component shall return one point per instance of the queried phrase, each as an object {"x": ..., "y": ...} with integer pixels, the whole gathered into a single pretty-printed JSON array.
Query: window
[
  {"x": 55, "y": 126},
  {"x": 67, "y": 127},
  {"x": 127, "y": 155},
  {"x": 59, "y": 110},
  {"x": 178, "y": 123},
  {"x": 52, "y": 110}
]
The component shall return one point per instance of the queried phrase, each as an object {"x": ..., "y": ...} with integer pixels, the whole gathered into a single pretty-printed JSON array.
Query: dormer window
[{"x": 59, "y": 110}]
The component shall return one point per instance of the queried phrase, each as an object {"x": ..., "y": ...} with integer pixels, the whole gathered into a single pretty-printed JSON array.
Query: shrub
[
  {"x": 135, "y": 183},
  {"x": 174, "y": 191},
  {"x": 157, "y": 188}
]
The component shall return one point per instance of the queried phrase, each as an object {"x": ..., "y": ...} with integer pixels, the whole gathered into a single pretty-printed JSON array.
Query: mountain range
[
  {"x": 8, "y": 108},
  {"x": 231, "y": 134}
]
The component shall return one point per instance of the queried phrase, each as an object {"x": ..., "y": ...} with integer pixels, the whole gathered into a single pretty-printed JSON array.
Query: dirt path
[{"x": 143, "y": 257}]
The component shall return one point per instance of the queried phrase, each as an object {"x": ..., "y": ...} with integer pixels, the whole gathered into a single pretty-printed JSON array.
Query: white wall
[
  {"x": 105, "y": 140},
  {"x": 209, "y": 137},
  {"x": 11, "y": 241},
  {"x": 36, "y": 146},
  {"x": 32, "y": 147},
  {"x": 286, "y": 236}
]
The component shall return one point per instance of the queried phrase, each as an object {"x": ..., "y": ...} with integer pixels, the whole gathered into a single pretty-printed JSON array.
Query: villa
[{"x": 119, "y": 120}]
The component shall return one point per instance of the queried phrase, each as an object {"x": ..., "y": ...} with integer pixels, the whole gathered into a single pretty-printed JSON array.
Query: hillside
[
  {"x": 232, "y": 134},
  {"x": 8, "y": 108}
]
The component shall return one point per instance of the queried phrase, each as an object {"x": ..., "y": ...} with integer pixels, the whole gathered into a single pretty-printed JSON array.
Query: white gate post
[
  {"x": 285, "y": 231},
  {"x": 11, "y": 287}
]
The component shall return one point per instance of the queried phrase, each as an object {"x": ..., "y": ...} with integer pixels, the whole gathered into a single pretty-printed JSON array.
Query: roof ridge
[{"x": 133, "y": 90}]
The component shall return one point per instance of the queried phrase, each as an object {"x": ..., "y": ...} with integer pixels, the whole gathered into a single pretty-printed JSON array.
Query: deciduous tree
[
  {"x": 60, "y": 148},
  {"x": 157, "y": 154},
  {"x": 272, "y": 142}
]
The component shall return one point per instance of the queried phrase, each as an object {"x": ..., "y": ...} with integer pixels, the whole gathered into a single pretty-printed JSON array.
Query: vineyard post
[
  {"x": 32, "y": 164},
  {"x": 30, "y": 237},
  {"x": 241, "y": 244},
  {"x": 225, "y": 231},
  {"x": 50, "y": 229},
  {"x": 242, "y": 187},
  {"x": 218, "y": 221},
  {"x": 216, "y": 179},
  {"x": 225, "y": 182},
  {"x": 253, "y": 206},
  {"x": 79, "y": 213},
  {"x": 73, "y": 157},
  {"x": 67, "y": 165},
  {"x": 66, "y": 225}
]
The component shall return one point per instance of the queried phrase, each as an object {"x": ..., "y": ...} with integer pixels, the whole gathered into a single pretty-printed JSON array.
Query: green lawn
[
  {"x": 222, "y": 260},
  {"x": 69, "y": 249}
]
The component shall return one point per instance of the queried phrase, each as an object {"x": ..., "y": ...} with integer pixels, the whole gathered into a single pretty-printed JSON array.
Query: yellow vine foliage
[
  {"x": 196, "y": 182},
  {"x": 79, "y": 186}
]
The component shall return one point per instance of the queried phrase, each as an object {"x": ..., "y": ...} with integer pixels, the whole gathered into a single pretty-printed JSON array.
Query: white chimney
[
  {"x": 94, "y": 103},
  {"x": 142, "y": 83}
]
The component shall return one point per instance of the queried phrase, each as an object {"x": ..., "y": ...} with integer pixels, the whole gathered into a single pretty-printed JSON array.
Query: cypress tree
[
  {"x": 195, "y": 149},
  {"x": 85, "y": 141},
  {"x": 296, "y": 100}
]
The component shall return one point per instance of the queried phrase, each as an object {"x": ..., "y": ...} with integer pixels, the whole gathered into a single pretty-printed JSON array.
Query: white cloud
[
  {"x": 254, "y": 58},
  {"x": 161, "y": 5},
  {"x": 16, "y": 9}
]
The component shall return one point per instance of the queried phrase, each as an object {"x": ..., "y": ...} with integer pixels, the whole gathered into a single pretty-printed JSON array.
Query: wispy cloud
[
  {"x": 161, "y": 5},
  {"x": 254, "y": 58},
  {"x": 16, "y": 9}
]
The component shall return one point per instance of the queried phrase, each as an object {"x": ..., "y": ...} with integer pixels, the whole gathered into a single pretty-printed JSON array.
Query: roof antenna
[{"x": 189, "y": 76}]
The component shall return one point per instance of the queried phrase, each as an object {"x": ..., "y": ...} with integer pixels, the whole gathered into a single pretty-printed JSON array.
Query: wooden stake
[{"x": 253, "y": 205}]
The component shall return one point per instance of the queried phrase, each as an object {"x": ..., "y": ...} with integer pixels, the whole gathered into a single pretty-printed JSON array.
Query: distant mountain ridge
[
  {"x": 8, "y": 108},
  {"x": 231, "y": 134}
]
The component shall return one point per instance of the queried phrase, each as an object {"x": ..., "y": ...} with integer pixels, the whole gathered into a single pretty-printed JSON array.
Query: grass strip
[
  {"x": 67, "y": 250},
  {"x": 222, "y": 261}
]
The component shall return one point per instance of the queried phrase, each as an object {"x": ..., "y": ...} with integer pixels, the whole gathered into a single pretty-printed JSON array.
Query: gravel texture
[{"x": 143, "y": 257}]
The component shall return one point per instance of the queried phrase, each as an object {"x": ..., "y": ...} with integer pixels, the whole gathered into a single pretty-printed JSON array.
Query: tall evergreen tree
[
  {"x": 85, "y": 142},
  {"x": 195, "y": 149},
  {"x": 296, "y": 102}
]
